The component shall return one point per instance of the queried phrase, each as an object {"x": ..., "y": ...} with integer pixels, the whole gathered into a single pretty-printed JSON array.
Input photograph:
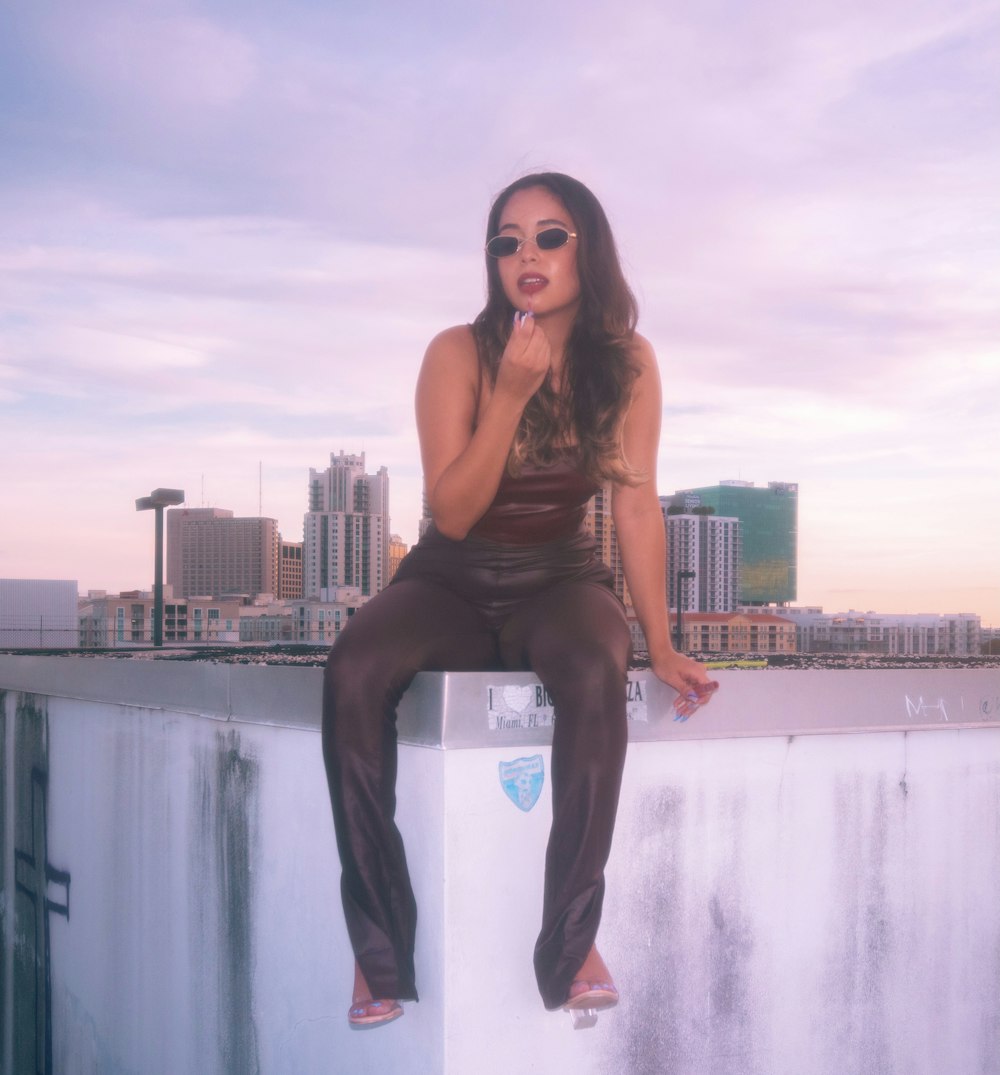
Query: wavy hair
[{"x": 599, "y": 371}]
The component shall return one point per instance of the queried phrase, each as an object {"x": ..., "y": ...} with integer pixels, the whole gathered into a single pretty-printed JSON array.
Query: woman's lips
[{"x": 530, "y": 282}]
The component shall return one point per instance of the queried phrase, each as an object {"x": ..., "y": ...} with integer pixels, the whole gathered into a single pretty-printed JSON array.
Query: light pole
[
  {"x": 159, "y": 499},
  {"x": 681, "y": 576}
]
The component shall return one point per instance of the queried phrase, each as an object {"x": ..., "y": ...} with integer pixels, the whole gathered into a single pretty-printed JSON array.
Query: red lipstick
[{"x": 531, "y": 282}]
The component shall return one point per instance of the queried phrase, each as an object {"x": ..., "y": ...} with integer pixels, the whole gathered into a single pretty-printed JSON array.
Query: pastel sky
[{"x": 228, "y": 231}]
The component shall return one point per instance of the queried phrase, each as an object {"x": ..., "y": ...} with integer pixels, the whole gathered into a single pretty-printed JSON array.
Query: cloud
[{"x": 227, "y": 235}]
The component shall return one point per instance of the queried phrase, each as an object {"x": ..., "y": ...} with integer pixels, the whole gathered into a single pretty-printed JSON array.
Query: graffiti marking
[{"x": 920, "y": 708}]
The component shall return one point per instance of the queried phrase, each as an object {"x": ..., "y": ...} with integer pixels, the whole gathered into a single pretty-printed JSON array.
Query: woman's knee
[
  {"x": 582, "y": 667},
  {"x": 361, "y": 685},
  {"x": 589, "y": 685}
]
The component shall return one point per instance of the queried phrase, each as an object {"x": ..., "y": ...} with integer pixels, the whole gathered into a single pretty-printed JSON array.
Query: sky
[{"x": 229, "y": 230}]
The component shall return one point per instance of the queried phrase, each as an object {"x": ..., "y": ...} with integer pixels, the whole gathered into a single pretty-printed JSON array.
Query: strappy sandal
[
  {"x": 592, "y": 996},
  {"x": 369, "y": 1014}
]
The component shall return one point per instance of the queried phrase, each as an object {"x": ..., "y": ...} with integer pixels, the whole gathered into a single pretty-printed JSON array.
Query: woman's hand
[
  {"x": 689, "y": 679},
  {"x": 464, "y": 443},
  {"x": 525, "y": 362}
]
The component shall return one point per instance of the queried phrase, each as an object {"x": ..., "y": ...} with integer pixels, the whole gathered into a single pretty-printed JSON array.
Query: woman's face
[{"x": 542, "y": 281}]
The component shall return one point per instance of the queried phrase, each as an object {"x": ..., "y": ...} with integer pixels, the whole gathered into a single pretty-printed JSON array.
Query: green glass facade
[{"x": 769, "y": 524}]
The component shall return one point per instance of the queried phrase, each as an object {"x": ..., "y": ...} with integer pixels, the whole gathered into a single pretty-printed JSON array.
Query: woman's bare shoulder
[
  {"x": 450, "y": 362},
  {"x": 641, "y": 352},
  {"x": 456, "y": 343}
]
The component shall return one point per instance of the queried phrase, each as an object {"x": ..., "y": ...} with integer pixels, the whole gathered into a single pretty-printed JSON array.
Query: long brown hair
[{"x": 599, "y": 370}]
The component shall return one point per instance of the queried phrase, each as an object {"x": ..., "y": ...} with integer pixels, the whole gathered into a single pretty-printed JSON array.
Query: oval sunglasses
[{"x": 502, "y": 246}]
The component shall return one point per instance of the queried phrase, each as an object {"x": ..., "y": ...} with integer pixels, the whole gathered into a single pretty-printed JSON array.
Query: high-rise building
[
  {"x": 212, "y": 553},
  {"x": 289, "y": 570},
  {"x": 601, "y": 525},
  {"x": 397, "y": 550},
  {"x": 768, "y": 532},
  {"x": 346, "y": 532},
  {"x": 703, "y": 561}
]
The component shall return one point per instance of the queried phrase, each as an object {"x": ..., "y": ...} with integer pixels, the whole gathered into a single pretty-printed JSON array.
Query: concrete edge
[{"x": 749, "y": 703}]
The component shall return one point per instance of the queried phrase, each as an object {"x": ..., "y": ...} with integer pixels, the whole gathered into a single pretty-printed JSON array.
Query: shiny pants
[{"x": 468, "y": 606}]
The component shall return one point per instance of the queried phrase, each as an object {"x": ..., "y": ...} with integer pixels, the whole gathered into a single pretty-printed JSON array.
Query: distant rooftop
[{"x": 315, "y": 656}]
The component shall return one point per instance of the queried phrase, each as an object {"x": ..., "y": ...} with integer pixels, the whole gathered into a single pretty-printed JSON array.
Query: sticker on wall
[
  {"x": 529, "y": 705},
  {"x": 522, "y": 780}
]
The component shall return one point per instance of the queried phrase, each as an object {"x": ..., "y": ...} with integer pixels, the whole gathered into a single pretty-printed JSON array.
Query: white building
[
  {"x": 125, "y": 620},
  {"x": 38, "y": 613},
  {"x": 917, "y": 634},
  {"x": 346, "y": 529},
  {"x": 307, "y": 620},
  {"x": 710, "y": 547}
]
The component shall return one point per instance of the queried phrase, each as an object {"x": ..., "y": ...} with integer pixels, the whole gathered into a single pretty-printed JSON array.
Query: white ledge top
[{"x": 457, "y": 710}]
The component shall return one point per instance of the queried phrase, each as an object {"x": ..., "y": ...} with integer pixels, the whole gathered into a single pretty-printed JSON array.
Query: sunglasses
[{"x": 502, "y": 246}]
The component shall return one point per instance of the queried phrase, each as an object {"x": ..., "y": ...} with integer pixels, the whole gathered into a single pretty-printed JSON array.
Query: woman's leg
[
  {"x": 410, "y": 626},
  {"x": 576, "y": 640}
]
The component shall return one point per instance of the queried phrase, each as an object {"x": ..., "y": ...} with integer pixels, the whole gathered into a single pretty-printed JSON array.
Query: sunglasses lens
[
  {"x": 552, "y": 238},
  {"x": 501, "y": 246}
]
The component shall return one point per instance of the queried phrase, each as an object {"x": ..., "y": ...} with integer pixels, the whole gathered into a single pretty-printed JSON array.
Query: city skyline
[{"x": 227, "y": 236}]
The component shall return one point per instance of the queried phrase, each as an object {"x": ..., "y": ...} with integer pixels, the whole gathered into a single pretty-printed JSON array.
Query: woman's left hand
[{"x": 689, "y": 679}]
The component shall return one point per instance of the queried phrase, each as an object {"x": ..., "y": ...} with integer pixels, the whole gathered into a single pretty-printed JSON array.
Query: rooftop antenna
[
  {"x": 260, "y": 488},
  {"x": 202, "y": 488}
]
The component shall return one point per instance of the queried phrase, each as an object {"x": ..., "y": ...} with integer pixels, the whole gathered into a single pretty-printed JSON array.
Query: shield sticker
[{"x": 522, "y": 780}]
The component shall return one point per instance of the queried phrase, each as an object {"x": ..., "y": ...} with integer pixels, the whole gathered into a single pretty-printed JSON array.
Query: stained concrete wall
[{"x": 778, "y": 902}]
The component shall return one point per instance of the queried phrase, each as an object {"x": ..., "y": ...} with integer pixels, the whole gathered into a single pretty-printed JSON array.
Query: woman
[{"x": 521, "y": 417}]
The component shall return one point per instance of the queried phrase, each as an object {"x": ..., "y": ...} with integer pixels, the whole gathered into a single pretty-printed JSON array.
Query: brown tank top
[{"x": 543, "y": 503}]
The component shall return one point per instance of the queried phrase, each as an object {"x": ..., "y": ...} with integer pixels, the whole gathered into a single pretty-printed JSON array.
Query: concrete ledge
[
  {"x": 776, "y": 902},
  {"x": 453, "y": 710}
]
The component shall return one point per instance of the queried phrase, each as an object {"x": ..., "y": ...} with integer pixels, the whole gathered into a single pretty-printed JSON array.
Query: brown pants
[{"x": 467, "y": 606}]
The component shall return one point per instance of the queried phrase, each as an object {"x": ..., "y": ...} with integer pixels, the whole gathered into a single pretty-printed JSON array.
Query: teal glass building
[{"x": 769, "y": 522}]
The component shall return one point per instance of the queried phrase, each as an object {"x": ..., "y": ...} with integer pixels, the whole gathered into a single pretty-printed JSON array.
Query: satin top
[{"x": 543, "y": 503}]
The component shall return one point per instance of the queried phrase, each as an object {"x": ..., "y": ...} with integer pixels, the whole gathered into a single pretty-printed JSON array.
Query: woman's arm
[
  {"x": 463, "y": 454},
  {"x": 641, "y": 536}
]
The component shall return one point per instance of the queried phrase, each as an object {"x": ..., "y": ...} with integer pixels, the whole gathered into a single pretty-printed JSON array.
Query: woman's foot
[
  {"x": 592, "y": 987},
  {"x": 366, "y": 1012}
]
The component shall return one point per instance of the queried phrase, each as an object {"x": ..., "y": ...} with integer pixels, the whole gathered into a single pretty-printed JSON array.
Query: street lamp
[
  {"x": 681, "y": 576},
  {"x": 159, "y": 499}
]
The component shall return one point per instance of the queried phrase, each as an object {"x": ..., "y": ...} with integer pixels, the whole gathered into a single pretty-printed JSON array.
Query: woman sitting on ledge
[{"x": 521, "y": 416}]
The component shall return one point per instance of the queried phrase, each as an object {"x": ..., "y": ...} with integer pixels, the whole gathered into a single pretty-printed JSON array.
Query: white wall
[{"x": 803, "y": 904}]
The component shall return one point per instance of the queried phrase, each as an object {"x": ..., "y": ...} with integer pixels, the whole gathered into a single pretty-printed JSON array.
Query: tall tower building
[
  {"x": 768, "y": 531},
  {"x": 211, "y": 553},
  {"x": 346, "y": 532},
  {"x": 709, "y": 547},
  {"x": 397, "y": 550},
  {"x": 601, "y": 525},
  {"x": 289, "y": 571}
]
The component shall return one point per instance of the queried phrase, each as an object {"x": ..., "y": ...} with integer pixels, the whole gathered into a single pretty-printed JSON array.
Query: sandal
[
  {"x": 369, "y": 1014},
  {"x": 592, "y": 996}
]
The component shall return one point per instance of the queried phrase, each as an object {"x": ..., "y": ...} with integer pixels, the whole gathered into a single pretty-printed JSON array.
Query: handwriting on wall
[
  {"x": 935, "y": 709},
  {"x": 930, "y": 709}
]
